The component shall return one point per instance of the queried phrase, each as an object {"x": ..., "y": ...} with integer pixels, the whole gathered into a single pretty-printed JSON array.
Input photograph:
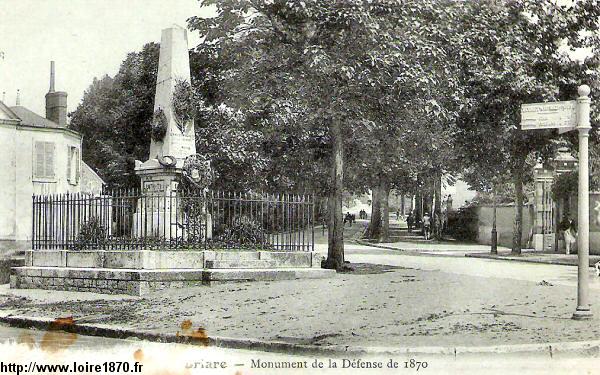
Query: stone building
[{"x": 41, "y": 155}]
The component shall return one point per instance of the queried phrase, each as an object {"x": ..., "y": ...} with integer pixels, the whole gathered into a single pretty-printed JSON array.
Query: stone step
[
  {"x": 236, "y": 255},
  {"x": 18, "y": 261},
  {"x": 238, "y": 263},
  {"x": 140, "y": 282},
  {"x": 241, "y": 275}
]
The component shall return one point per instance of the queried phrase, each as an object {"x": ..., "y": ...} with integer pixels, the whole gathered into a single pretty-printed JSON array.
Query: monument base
[
  {"x": 158, "y": 214},
  {"x": 156, "y": 177},
  {"x": 141, "y": 272}
]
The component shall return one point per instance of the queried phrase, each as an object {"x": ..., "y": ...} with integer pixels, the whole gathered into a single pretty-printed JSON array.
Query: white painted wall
[
  {"x": 7, "y": 182},
  {"x": 18, "y": 183}
]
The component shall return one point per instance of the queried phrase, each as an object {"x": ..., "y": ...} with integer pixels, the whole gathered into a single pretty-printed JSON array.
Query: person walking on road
[
  {"x": 409, "y": 221},
  {"x": 426, "y": 226}
]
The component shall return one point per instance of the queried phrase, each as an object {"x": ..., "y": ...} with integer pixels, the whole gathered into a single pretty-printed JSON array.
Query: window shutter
[
  {"x": 69, "y": 158},
  {"x": 49, "y": 150},
  {"x": 77, "y": 166},
  {"x": 38, "y": 163}
]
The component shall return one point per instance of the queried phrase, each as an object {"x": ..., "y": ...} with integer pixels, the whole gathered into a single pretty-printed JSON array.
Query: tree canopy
[{"x": 327, "y": 96}]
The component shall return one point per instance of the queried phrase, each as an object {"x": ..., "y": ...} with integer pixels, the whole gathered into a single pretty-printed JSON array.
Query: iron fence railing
[{"x": 129, "y": 219}]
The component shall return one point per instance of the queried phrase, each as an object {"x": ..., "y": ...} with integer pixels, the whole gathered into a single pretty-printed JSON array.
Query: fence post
[
  {"x": 33, "y": 222},
  {"x": 312, "y": 208}
]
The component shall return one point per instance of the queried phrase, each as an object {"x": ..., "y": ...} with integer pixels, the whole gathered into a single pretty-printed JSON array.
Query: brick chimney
[{"x": 56, "y": 102}]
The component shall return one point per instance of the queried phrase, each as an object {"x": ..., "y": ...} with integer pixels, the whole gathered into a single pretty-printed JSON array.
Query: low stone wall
[
  {"x": 102, "y": 281},
  {"x": 139, "y": 259},
  {"x": 162, "y": 259},
  {"x": 141, "y": 282},
  {"x": 141, "y": 272}
]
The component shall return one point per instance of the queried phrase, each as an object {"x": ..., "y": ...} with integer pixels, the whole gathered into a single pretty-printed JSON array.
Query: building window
[
  {"x": 43, "y": 165},
  {"x": 73, "y": 165}
]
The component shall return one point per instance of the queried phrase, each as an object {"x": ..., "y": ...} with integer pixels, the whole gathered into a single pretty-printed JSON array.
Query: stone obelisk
[
  {"x": 168, "y": 151},
  {"x": 173, "y": 67},
  {"x": 167, "y": 155}
]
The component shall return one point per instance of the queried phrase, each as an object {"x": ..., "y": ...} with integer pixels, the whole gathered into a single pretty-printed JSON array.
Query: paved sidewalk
[
  {"x": 412, "y": 243},
  {"x": 457, "y": 249},
  {"x": 452, "y": 248},
  {"x": 536, "y": 257}
]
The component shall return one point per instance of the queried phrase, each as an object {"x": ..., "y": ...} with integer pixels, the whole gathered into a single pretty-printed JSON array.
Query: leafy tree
[
  {"x": 514, "y": 55},
  {"x": 310, "y": 64},
  {"x": 115, "y": 118}
]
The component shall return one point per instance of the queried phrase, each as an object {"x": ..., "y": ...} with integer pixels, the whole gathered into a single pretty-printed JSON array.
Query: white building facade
[{"x": 41, "y": 155}]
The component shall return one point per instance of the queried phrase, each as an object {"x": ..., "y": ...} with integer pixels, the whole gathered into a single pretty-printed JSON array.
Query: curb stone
[
  {"x": 421, "y": 252},
  {"x": 410, "y": 251},
  {"x": 581, "y": 348},
  {"x": 557, "y": 262}
]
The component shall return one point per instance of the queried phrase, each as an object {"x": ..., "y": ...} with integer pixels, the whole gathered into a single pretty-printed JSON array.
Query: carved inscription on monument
[
  {"x": 158, "y": 186},
  {"x": 182, "y": 144}
]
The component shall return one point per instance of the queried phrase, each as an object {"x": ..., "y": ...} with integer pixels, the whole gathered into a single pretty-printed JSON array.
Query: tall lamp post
[
  {"x": 494, "y": 249},
  {"x": 583, "y": 310}
]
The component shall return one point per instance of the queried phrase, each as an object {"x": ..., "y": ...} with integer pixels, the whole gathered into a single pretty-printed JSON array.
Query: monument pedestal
[
  {"x": 156, "y": 212},
  {"x": 159, "y": 213}
]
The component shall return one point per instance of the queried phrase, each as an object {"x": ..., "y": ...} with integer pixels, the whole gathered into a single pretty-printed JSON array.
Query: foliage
[
  {"x": 197, "y": 172},
  {"x": 462, "y": 224},
  {"x": 159, "y": 125},
  {"x": 92, "y": 234},
  {"x": 517, "y": 52},
  {"x": 241, "y": 232},
  {"x": 565, "y": 185},
  {"x": 115, "y": 118},
  {"x": 182, "y": 100},
  {"x": 310, "y": 73}
]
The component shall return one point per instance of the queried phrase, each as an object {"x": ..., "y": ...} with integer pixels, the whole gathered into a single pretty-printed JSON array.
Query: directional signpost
[
  {"x": 567, "y": 116},
  {"x": 561, "y": 115}
]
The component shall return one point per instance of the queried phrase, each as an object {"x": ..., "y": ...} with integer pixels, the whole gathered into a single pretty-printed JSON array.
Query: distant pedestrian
[
  {"x": 348, "y": 219},
  {"x": 363, "y": 215},
  {"x": 397, "y": 215},
  {"x": 409, "y": 221},
  {"x": 570, "y": 236},
  {"x": 426, "y": 225}
]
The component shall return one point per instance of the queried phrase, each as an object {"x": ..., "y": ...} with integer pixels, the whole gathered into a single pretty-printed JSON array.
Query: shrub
[
  {"x": 92, "y": 235},
  {"x": 462, "y": 224},
  {"x": 242, "y": 231}
]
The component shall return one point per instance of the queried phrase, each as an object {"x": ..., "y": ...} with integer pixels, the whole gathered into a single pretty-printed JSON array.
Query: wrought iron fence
[{"x": 129, "y": 219}]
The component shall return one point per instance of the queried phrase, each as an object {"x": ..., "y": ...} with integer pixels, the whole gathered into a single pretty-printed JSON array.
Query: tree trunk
[
  {"x": 556, "y": 223},
  {"x": 335, "y": 250},
  {"x": 402, "y": 204},
  {"x": 374, "y": 230},
  {"x": 418, "y": 206},
  {"x": 384, "y": 195},
  {"x": 518, "y": 225},
  {"x": 437, "y": 213}
]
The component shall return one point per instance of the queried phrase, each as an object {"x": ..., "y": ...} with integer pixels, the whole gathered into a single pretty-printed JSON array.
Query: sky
[{"x": 86, "y": 39}]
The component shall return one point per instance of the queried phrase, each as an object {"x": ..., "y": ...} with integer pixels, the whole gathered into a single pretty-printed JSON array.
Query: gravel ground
[{"x": 372, "y": 306}]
